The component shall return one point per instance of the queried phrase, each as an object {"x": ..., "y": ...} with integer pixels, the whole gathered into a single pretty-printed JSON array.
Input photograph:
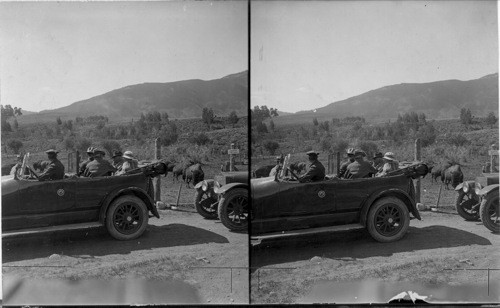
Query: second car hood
[{"x": 262, "y": 187}]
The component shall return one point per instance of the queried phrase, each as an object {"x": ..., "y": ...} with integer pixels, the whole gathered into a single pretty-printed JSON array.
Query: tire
[
  {"x": 203, "y": 205},
  {"x": 388, "y": 219},
  {"x": 233, "y": 209},
  {"x": 464, "y": 207},
  {"x": 489, "y": 212},
  {"x": 127, "y": 218}
]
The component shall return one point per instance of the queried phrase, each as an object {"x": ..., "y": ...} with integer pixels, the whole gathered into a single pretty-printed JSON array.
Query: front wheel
[
  {"x": 388, "y": 219},
  {"x": 203, "y": 204},
  {"x": 233, "y": 209},
  {"x": 467, "y": 208},
  {"x": 489, "y": 212},
  {"x": 127, "y": 218}
]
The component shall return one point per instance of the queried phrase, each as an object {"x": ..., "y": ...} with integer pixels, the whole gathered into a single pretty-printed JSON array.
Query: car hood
[
  {"x": 487, "y": 179},
  {"x": 232, "y": 177},
  {"x": 9, "y": 185},
  {"x": 263, "y": 187}
]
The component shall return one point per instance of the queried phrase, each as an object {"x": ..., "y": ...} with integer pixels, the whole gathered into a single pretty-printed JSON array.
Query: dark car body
[
  {"x": 285, "y": 207},
  {"x": 29, "y": 204},
  {"x": 289, "y": 205},
  {"x": 209, "y": 192},
  {"x": 469, "y": 198}
]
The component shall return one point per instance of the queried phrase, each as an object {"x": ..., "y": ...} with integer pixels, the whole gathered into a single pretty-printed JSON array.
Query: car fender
[
  {"x": 391, "y": 192},
  {"x": 210, "y": 184},
  {"x": 489, "y": 189},
  {"x": 138, "y": 192},
  {"x": 222, "y": 190},
  {"x": 461, "y": 185}
]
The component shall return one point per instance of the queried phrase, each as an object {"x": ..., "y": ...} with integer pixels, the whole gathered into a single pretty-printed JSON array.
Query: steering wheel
[
  {"x": 32, "y": 173},
  {"x": 294, "y": 176}
]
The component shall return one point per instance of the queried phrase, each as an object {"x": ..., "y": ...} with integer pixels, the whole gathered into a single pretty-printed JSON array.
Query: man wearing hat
[
  {"x": 279, "y": 165},
  {"x": 390, "y": 164},
  {"x": 90, "y": 155},
  {"x": 117, "y": 160},
  {"x": 315, "y": 169},
  {"x": 130, "y": 163},
  {"x": 378, "y": 161},
  {"x": 350, "y": 159},
  {"x": 99, "y": 166},
  {"x": 360, "y": 168},
  {"x": 55, "y": 169}
]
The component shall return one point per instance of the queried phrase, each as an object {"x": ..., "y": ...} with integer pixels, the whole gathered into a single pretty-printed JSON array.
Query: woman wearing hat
[
  {"x": 390, "y": 164},
  {"x": 130, "y": 163}
]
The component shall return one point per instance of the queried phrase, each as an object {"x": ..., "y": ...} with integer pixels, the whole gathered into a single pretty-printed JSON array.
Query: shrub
[
  {"x": 271, "y": 146},
  {"x": 15, "y": 145},
  {"x": 200, "y": 139},
  {"x": 457, "y": 140},
  {"x": 110, "y": 146}
]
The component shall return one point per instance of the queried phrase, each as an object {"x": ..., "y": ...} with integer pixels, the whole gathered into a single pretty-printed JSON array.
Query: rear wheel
[
  {"x": 489, "y": 212},
  {"x": 127, "y": 218},
  {"x": 203, "y": 204},
  {"x": 388, "y": 219},
  {"x": 233, "y": 209},
  {"x": 467, "y": 207}
]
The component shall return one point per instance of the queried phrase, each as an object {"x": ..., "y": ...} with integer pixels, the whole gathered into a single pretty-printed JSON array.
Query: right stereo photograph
[{"x": 374, "y": 152}]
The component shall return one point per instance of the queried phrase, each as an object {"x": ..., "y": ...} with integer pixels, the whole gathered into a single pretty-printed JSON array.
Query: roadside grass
[{"x": 277, "y": 287}]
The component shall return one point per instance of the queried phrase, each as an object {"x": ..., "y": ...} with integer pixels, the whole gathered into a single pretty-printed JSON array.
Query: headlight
[
  {"x": 204, "y": 186},
  {"x": 466, "y": 187},
  {"x": 477, "y": 188}
]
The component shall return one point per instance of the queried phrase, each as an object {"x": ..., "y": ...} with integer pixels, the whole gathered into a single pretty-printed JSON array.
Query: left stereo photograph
[{"x": 124, "y": 133}]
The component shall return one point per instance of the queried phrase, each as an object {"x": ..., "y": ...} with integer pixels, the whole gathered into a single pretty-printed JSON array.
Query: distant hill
[
  {"x": 438, "y": 100},
  {"x": 180, "y": 99}
]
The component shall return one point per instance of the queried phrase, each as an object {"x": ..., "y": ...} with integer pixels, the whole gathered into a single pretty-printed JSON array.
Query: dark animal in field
[
  {"x": 298, "y": 167},
  {"x": 178, "y": 170},
  {"x": 40, "y": 165},
  {"x": 263, "y": 171},
  {"x": 193, "y": 173},
  {"x": 453, "y": 175}
]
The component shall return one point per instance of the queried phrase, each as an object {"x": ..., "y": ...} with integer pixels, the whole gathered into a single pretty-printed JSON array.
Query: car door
[
  {"x": 48, "y": 202},
  {"x": 300, "y": 205}
]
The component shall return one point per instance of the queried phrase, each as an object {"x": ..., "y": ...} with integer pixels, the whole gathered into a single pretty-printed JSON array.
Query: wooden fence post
[
  {"x": 338, "y": 162},
  {"x": 417, "y": 158},
  {"x": 157, "y": 179},
  {"x": 329, "y": 164}
]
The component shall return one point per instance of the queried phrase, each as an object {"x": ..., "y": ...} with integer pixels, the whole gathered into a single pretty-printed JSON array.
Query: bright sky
[
  {"x": 306, "y": 55},
  {"x": 53, "y": 54}
]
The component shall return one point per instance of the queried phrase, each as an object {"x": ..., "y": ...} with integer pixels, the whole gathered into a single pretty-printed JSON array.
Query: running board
[
  {"x": 85, "y": 225},
  {"x": 283, "y": 234}
]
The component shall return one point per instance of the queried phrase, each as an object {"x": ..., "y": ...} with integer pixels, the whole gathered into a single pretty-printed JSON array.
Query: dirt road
[
  {"x": 341, "y": 267},
  {"x": 181, "y": 258}
]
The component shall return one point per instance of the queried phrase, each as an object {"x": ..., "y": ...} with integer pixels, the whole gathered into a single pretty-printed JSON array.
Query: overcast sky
[
  {"x": 306, "y": 55},
  {"x": 54, "y": 54}
]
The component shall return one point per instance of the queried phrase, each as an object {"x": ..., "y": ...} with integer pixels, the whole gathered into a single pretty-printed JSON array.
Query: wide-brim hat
[
  {"x": 51, "y": 151},
  {"x": 389, "y": 156},
  {"x": 128, "y": 154},
  {"x": 313, "y": 153}
]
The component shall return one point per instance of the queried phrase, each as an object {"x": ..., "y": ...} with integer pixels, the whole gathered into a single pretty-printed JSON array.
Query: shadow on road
[
  {"x": 359, "y": 244},
  {"x": 97, "y": 242}
]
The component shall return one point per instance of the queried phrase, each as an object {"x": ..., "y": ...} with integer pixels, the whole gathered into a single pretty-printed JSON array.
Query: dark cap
[
  {"x": 359, "y": 153},
  {"x": 313, "y": 153},
  {"x": 378, "y": 155},
  {"x": 51, "y": 151},
  {"x": 116, "y": 153},
  {"x": 99, "y": 151}
]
